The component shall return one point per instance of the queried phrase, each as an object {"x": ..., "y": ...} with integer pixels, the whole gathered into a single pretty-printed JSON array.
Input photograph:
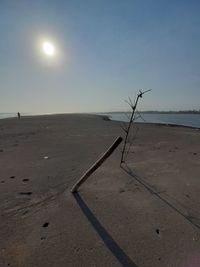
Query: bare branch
[
  {"x": 127, "y": 116},
  {"x": 140, "y": 116},
  {"x": 130, "y": 143},
  {"x": 132, "y": 118},
  {"x": 128, "y": 103},
  {"x": 123, "y": 128}
]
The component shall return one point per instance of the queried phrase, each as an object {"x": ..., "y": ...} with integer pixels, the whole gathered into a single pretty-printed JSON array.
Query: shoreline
[
  {"x": 159, "y": 123},
  {"x": 104, "y": 117},
  {"x": 109, "y": 118}
]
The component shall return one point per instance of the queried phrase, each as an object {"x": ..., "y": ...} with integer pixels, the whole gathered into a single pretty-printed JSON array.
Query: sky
[{"x": 106, "y": 51}]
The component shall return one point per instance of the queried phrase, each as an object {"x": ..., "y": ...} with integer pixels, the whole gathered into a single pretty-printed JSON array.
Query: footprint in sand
[
  {"x": 157, "y": 231},
  {"x": 46, "y": 224},
  {"x": 25, "y": 193},
  {"x": 121, "y": 190},
  {"x": 25, "y": 180}
]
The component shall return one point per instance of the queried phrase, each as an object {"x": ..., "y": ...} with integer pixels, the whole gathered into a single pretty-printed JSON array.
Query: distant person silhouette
[{"x": 18, "y": 115}]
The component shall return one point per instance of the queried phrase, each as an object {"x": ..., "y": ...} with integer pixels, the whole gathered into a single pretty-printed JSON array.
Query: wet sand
[{"x": 144, "y": 214}]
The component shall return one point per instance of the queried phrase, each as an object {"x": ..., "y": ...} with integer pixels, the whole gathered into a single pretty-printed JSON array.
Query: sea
[
  {"x": 7, "y": 115},
  {"x": 190, "y": 120}
]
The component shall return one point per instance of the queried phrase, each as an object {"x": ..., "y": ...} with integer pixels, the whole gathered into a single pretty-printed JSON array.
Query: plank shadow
[{"x": 110, "y": 243}]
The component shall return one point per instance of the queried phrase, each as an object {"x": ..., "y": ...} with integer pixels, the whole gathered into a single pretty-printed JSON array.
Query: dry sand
[{"x": 147, "y": 214}]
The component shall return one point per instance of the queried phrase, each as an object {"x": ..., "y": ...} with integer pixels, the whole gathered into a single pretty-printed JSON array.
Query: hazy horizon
[
  {"x": 104, "y": 52},
  {"x": 105, "y": 112}
]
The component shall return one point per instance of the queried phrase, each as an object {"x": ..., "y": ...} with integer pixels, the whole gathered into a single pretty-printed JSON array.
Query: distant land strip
[{"x": 160, "y": 112}]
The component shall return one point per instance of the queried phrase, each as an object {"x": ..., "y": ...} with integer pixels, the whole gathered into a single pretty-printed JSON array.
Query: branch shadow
[
  {"x": 110, "y": 243},
  {"x": 128, "y": 170}
]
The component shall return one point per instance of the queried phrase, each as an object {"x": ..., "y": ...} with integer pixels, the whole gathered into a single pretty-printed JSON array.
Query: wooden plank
[{"x": 97, "y": 164}]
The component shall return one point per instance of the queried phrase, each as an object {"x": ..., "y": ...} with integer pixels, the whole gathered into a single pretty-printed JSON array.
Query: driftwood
[{"x": 97, "y": 164}]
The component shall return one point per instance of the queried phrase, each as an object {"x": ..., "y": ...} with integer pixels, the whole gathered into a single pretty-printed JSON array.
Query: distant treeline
[
  {"x": 172, "y": 112},
  {"x": 164, "y": 112}
]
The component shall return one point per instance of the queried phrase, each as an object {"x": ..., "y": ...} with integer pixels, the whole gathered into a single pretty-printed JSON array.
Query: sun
[{"x": 48, "y": 49}]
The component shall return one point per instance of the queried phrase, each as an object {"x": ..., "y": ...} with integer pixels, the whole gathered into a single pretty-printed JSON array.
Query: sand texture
[{"x": 146, "y": 214}]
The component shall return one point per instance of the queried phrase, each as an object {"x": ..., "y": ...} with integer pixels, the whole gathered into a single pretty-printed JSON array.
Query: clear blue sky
[{"x": 107, "y": 49}]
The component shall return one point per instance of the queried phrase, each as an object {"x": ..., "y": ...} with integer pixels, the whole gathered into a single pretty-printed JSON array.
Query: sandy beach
[{"x": 146, "y": 214}]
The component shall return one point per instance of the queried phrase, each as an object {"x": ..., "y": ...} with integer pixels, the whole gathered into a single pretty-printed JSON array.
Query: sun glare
[{"x": 48, "y": 49}]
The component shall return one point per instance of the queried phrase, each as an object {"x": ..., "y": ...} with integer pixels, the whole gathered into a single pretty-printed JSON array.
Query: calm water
[
  {"x": 12, "y": 115},
  {"x": 192, "y": 120},
  {"x": 7, "y": 115}
]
